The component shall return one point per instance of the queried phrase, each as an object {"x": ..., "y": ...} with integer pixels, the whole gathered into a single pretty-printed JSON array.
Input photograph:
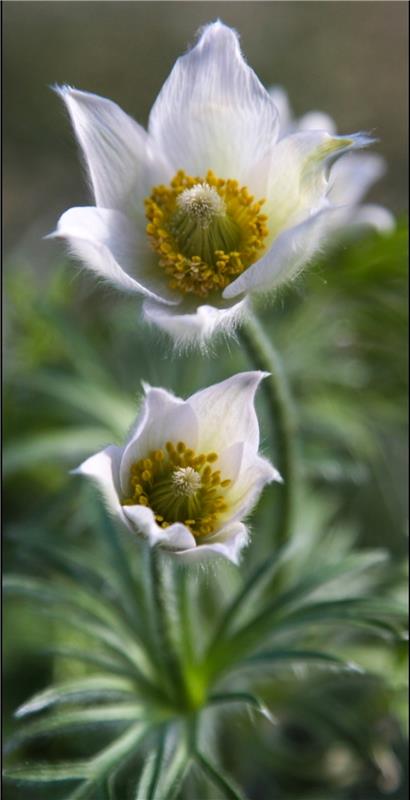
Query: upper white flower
[
  {"x": 190, "y": 470},
  {"x": 210, "y": 204},
  {"x": 352, "y": 176}
]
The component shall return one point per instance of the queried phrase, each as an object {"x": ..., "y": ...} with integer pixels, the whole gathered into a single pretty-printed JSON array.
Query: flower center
[
  {"x": 179, "y": 486},
  {"x": 205, "y": 230},
  {"x": 186, "y": 481}
]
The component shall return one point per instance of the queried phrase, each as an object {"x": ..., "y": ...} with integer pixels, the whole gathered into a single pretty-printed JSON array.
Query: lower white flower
[
  {"x": 352, "y": 176},
  {"x": 209, "y": 205},
  {"x": 190, "y": 471}
]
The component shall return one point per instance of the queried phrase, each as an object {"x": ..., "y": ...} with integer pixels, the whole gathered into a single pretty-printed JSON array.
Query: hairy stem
[
  {"x": 218, "y": 778},
  {"x": 263, "y": 355},
  {"x": 164, "y": 601}
]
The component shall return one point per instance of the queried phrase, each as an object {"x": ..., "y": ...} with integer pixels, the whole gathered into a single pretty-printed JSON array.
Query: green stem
[
  {"x": 185, "y": 612},
  {"x": 218, "y": 778},
  {"x": 263, "y": 355},
  {"x": 172, "y": 671}
]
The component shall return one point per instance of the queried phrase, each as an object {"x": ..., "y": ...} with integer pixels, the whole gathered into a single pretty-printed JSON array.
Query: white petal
[
  {"x": 316, "y": 121},
  {"x": 107, "y": 243},
  {"x": 295, "y": 175},
  {"x": 289, "y": 254},
  {"x": 122, "y": 162},
  {"x": 312, "y": 121},
  {"x": 226, "y": 413},
  {"x": 377, "y": 217},
  {"x": 230, "y": 461},
  {"x": 176, "y": 537},
  {"x": 195, "y": 328},
  {"x": 212, "y": 112},
  {"x": 353, "y": 175},
  {"x": 244, "y": 494},
  {"x": 163, "y": 418},
  {"x": 229, "y": 543},
  {"x": 103, "y": 469},
  {"x": 281, "y": 101}
]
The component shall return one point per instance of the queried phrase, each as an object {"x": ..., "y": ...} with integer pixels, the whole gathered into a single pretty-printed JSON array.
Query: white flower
[
  {"x": 190, "y": 470},
  {"x": 352, "y": 176},
  {"x": 210, "y": 204}
]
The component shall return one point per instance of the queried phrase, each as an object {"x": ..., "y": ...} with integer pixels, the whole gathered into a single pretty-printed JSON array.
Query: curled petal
[
  {"x": 164, "y": 418},
  {"x": 375, "y": 216},
  {"x": 175, "y": 537},
  {"x": 196, "y": 327},
  {"x": 227, "y": 412},
  {"x": 104, "y": 470},
  {"x": 281, "y": 101},
  {"x": 317, "y": 121},
  {"x": 312, "y": 121},
  {"x": 107, "y": 243},
  {"x": 230, "y": 461},
  {"x": 212, "y": 112},
  {"x": 121, "y": 160},
  {"x": 289, "y": 253},
  {"x": 296, "y": 175},
  {"x": 353, "y": 175},
  {"x": 244, "y": 494},
  {"x": 228, "y": 542}
]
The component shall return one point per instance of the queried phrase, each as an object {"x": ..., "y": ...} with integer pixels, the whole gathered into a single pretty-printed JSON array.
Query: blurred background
[
  {"x": 76, "y": 352},
  {"x": 345, "y": 58}
]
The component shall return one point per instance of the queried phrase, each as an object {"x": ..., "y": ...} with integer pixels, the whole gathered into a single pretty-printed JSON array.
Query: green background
[{"x": 76, "y": 351}]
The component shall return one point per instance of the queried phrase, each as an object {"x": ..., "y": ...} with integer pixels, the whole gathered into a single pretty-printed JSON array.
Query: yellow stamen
[
  {"x": 179, "y": 486},
  {"x": 206, "y": 231}
]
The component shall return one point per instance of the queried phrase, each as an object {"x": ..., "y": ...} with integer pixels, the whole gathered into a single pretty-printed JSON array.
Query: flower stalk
[
  {"x": 283, "y": 421},
  {"x": 162, "y": 602}
]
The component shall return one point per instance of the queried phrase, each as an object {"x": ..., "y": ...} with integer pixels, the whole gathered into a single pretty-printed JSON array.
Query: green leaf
[
  {"x": 110, "y": 665},
  {"x": 254, "y": 582},
  {"x": 47, "y": 773},
  {"x": 248, "y": 699},
  {"x": 66, "y": 445},
  {"x": 58, "y": 603},
  {"x": 224, "y": 651},
  {"x": 117, "y": 556},
  {"x": 64, "y": 721},
  {"x": 224, "y": 783},
  {"x": 152, "y": 772},
  {"x": 271, "y": 657},
  {"x": 84, "y": 690},
  {"x": 104, "y": 405},
  {"x": 177, "y": 769}
]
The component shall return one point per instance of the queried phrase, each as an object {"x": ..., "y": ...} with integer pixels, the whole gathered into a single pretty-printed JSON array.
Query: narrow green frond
[
  {"x": 65, "y": 446},
  {"x": 177, "y": 767},
  {"x": 113, "y": 664},
  {"x": 103, "y": 404},
  {"x": 113, "y": 755},
  {"x": 246, "y": 698},
  {"x": 272, "y": 657},
  {"x": 117, "y": 558},
  {"x": 48, "y": 773},
  {"x": 84, "y": 690},
  {"x": 53, "y": 602},
  {"x": 64, "y": 721},
  {"x": 153, "y": 772},
  {"x": 255, "y": 581},
  {"x": 224, "y": 783},
  {"x": 99, "y": 582}
]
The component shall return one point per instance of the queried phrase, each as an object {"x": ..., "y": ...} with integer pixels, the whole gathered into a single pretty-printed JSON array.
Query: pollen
[
  {"x": 180, "y": 486},
  {"x": 206, "y": 231},
  {"x": 186, "y": 481},
  {"x": 202, "y": 202}
]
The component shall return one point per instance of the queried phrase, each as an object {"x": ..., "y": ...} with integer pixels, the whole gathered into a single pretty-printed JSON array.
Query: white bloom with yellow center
[
  {"x": 190, "y": 471},
  {"x": 352, "y": 176},
  {"x": 209, "y": 205}
]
